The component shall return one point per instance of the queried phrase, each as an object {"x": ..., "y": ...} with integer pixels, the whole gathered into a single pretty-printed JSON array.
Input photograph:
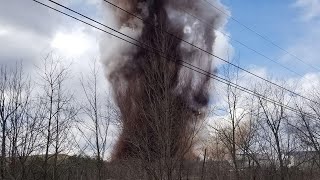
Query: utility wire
[
  {"x": 205, "y": 51},
  {"x": 241, "y": 43},
  {"x": 262, "y": 36},
  {"x": 204, "y": 22},
  {"x": 182, "y": 63}
]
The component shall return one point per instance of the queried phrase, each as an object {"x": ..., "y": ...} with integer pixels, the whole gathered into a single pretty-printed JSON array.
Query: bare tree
[
  {"x": 229, "y": 130},
  {"x": 99, "y": 112},
  {"x": 307, "y": 126},
  {"x": 14, "y": 102},
  {"x": 29, "y": 138},
  {"x": 58, "y": 112},
  {"x": 160, "y": 127},
  {"x": 274, "y": 119}
]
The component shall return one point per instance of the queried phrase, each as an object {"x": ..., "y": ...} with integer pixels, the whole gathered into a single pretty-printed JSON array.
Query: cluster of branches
[
  {"x": 45, "y": 132},
  {"x": 48, "y": 133},
  {"x": 252, "y": 138}
]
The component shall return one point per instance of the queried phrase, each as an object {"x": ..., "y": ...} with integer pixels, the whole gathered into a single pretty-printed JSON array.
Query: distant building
[
  {"x": 302, "y": 159},
  {"x": 251, "y": 160},
  {"x": 299, "y": 159}
]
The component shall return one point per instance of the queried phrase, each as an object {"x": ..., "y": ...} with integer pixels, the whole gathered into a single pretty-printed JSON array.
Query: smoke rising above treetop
[
  {"x": 147, "y": 85},
  {"x": 190, "y": 30}
]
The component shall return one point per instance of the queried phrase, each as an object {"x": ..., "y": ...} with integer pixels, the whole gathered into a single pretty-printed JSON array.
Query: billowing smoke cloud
[{"x": 160, "y": 101}]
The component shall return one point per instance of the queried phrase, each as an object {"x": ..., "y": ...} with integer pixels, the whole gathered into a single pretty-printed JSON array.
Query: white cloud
[
  {"x": 307, "y": 84},
  {"x": 310, "y": 8},
  {"x": 19, "y": 44},
  {"x": 3, "y": 32},
  {"x": 75, "y": 43},
  {"x": 28, "y": 31},
  {"x": 222, "y": 47},
  {"x": 259, "y": 71},
  {"x": 310, "y": 81}
]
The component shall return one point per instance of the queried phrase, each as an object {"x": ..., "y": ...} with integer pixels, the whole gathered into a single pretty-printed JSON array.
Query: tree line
[
  {"x": 48, "y": 133},
  {"x": 45, "y": 132},
  {"x": 261, "y": 139}
]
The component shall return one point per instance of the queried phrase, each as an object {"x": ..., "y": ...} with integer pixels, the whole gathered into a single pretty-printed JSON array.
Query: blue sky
[
  {"x": 286, "y": 23},
  {"x": 292, "y": 24}
]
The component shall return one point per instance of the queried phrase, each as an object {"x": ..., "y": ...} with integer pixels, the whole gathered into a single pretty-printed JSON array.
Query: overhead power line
[
  {"x": 183, "y": 63},
  {"x": 241, "y": 43},
  {"x": 209, "y": 53},
  {"x": 204, "y": 22},
  {"x": 262, "y": 36}
]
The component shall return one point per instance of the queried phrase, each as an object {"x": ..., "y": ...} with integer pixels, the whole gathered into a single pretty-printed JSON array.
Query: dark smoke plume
[{"x": 160, "y": 101}]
